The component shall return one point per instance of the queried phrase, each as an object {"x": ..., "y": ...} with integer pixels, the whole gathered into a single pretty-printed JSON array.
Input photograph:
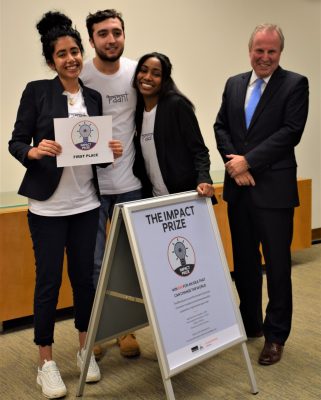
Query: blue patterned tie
[{"x": 253, "y": 100}]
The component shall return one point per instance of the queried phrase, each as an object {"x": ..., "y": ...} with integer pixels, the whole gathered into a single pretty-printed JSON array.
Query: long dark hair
[
  {"x": 52, "y": 26},
  {"x": 168, "y": 86}
]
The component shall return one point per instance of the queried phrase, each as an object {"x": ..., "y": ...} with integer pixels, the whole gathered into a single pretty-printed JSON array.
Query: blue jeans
[{"x": 105, "y": 212}]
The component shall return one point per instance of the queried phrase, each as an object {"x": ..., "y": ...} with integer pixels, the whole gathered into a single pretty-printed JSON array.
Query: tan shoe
[
  {"x": 128, "y": 345},
  {"x": 98, "y": 351}
]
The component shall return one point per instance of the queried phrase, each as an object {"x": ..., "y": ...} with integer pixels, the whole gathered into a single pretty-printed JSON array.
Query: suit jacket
[
  {"x": 268, "y": 144},
  {"x": 41, "y": 102},
  {"x": 181, "y": 152}
]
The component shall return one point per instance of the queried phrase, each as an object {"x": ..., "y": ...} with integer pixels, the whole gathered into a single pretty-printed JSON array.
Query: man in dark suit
[{"x": 257, "y": 144}]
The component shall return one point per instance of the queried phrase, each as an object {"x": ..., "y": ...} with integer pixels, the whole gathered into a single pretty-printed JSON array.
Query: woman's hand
[
  {"x": 116, "y": 147},
  {"x": 45, "y": 148},
  {"x": 205, "y": 189}
]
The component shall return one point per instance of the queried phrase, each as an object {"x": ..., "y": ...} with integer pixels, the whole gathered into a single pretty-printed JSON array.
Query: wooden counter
[
  {"x": 17, "y": 267},
  {"x": 17, "y": 271},
  {"x": 302, "y": 232}
]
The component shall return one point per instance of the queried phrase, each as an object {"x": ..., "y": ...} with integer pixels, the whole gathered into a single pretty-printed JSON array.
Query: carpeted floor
[{"x": 223, "y": 377}]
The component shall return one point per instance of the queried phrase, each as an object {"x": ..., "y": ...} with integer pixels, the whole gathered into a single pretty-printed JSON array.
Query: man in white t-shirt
[{"x": 111, "y": 75}]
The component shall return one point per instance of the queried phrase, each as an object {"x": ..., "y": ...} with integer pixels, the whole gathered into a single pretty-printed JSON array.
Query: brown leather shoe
[
  {"x": 98, "y": 351},
  {"x": 271, "y": 353},
  {"x": 128, "y": 345}
]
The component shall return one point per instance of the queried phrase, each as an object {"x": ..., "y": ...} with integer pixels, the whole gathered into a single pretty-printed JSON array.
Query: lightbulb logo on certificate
[
  {"x": 85, "y": 135},
  {"x": 181, "y": 256},
  {"x": 84, "y": 140}
]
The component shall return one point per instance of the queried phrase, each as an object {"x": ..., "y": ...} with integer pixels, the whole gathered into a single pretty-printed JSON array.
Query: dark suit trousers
[{"x": 272, "y": 228}]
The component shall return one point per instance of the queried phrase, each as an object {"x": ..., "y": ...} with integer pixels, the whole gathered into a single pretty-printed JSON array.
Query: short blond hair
[{"x": 267, "y": 27}]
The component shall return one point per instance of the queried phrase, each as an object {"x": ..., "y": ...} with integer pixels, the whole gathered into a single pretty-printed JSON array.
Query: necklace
[{"x": 72, "y": 99}]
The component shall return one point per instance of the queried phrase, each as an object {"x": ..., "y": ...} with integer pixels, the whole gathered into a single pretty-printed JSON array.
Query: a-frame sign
[{"x": 164, "y": 265}]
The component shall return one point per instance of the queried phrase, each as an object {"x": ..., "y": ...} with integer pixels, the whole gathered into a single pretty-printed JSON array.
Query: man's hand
[
  {"x": 116, "y": 147},
  {"x": 245, "y": 179},
  {"x": 237, "y": 165}
]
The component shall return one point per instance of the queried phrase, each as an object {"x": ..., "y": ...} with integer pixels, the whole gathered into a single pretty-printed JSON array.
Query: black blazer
[
  {"x": 182, "y": 155},
  {"x": 268, "y": 145},
  {"x": 41, "y": 102}
]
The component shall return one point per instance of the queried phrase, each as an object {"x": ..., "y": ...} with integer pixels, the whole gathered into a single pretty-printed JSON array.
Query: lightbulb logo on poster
[
  {"x": 85, "y": 135},
  {"x": 181, "y": 256}
]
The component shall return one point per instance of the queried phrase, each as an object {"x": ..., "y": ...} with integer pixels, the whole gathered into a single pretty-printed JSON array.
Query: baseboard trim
[{"x": 316, "y": 235}]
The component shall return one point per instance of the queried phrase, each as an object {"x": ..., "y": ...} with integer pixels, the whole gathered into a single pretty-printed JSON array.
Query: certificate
[{"x": 84, "y": 140}]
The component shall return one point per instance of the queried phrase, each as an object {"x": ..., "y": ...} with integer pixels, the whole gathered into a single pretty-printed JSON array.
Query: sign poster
[
  {"x": 188, "y": 286},
  {"x": 84, "y": 140}
]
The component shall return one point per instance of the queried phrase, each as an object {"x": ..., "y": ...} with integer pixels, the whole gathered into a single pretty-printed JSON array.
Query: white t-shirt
[
  {"x": 119, "y": 101},
  {"x": 149, "y": 153},
  {"x": 75, "y": 192}
]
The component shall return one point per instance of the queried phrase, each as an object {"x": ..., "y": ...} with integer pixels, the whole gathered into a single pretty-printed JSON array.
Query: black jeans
[{"x": 51, "y": 236}]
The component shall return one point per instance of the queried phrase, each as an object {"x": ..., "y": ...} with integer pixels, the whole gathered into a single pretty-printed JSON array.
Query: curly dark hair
[{"x": 52, "y": 26}]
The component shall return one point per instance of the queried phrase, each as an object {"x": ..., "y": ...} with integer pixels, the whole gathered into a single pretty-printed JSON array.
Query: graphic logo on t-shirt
[
  {"x": 118, "y": 98},
  {"x": 181, "y": 256},
  {"x": 85, "y": 135}
]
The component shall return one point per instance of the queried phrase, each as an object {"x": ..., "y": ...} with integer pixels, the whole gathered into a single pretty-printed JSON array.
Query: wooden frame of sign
[{"x": 164, "y": 265}]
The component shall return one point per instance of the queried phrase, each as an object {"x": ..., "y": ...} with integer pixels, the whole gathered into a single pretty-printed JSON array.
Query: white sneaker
[
  {"x": 50, "y": 380},
  {"x": 93, "y": 373}
]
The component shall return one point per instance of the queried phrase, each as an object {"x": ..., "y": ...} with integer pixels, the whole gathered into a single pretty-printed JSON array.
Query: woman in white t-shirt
[
  {"x": 63, "y": 202},
  {"x": 171, "y": 155}
]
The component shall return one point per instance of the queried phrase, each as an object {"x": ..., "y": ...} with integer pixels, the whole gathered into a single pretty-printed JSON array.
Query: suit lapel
[
  {"x": 60, "y": 105},
  {"x": 90, "y": 103},
  {"x": 59, "y": 100},
  {"x": 269, "y": 93},
  {"x": 240, "y": 97}
]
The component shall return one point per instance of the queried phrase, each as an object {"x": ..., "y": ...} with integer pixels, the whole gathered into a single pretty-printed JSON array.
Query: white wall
[{"x": 206, "y": 41}]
